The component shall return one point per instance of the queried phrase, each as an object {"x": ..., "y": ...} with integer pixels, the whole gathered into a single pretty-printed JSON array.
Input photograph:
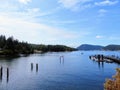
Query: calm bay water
[{"x": 75, "y": 72}]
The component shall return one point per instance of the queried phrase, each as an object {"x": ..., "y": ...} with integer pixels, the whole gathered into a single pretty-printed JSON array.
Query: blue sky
[{"x": 67, "y": 22}]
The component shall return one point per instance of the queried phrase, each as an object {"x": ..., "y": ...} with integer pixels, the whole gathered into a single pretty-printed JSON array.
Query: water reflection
[{"x": 101, "y": 64}]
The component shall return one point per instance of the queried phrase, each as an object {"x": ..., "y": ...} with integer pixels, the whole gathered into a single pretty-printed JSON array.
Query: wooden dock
[
  {"x": 114, "y": 59},
  {"x": 103, "y": 58}
]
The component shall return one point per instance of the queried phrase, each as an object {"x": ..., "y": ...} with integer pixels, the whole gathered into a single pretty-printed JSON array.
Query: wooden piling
[
  {"x": 31, "y": 66},
  {"x": 1, "y": 71},
  {"x": 37, "y": 67},
  {"x": 102, "y": 57},
  {"x": 61, "y": 59},
  {"x": 7, "y": 74},
  {"x": 98, "y": 58}
]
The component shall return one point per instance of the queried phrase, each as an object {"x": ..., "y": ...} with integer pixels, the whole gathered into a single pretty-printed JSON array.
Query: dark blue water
[{"x": 75, "y": 72}]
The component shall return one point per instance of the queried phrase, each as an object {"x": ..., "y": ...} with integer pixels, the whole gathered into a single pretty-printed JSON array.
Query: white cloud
[
  {"x": 28, "y": 14},
  {"x": 75, "y": 4},
  {"x": 106, "y": 3},
  {"x": 33, "y": 10},
  {"x": 102, "y": 12},
  {"x": 23, "y": 25},
  {"x": 8, "y": 5},
  {"x": 25, "y": 1},
  {"x": 35, "y": 32},
  {"x": 69, "y": 3},
  {"x": 99, "y": 36}
]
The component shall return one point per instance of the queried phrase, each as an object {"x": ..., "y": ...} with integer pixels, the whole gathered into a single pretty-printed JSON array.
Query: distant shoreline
[
  {"x": 13, "y": 47},
  {"x": 2, "y": 55}
]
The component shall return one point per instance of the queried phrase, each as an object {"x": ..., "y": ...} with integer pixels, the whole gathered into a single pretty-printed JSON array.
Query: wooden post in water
[
  {"x": 7, "y": 74},
  {"x": 98, "y": 58},
  {"x": 62, "y": 59},
  {"x": 102, "y": 57},
  {"x": 1, "y": 71},
  {"x": 89, "y": 57},
  {"x": 37, "y": 67},
  {"x": 31, "y": 66}
]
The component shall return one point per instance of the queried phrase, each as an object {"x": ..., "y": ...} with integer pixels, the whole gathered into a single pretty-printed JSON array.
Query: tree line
[
  {"x": 13, "y": 46},
  {"x": 52, "y": 48},
  {"x": 10, "y": 46}
]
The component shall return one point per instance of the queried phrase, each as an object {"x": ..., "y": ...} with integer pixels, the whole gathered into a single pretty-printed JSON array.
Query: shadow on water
[{"x": 12, "y": 57}]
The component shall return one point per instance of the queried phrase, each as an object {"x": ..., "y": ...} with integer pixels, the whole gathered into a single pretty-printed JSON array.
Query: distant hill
[
  {"x": 112, "y": 47},
  {"x": 89, "y": 47}
]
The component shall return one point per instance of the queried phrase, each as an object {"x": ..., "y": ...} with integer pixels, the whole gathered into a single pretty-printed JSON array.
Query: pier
[
  {"x": 114, "y": 59},
  {"x": 103, "y": 58}
]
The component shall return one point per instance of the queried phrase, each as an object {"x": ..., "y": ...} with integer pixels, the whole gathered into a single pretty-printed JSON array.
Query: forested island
[
  {"x": 112, "y": 47},
  {"x": 88, "y": 47},
  {"x": 11, "y": 46},
  {"x": 51, "y": 48}
]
